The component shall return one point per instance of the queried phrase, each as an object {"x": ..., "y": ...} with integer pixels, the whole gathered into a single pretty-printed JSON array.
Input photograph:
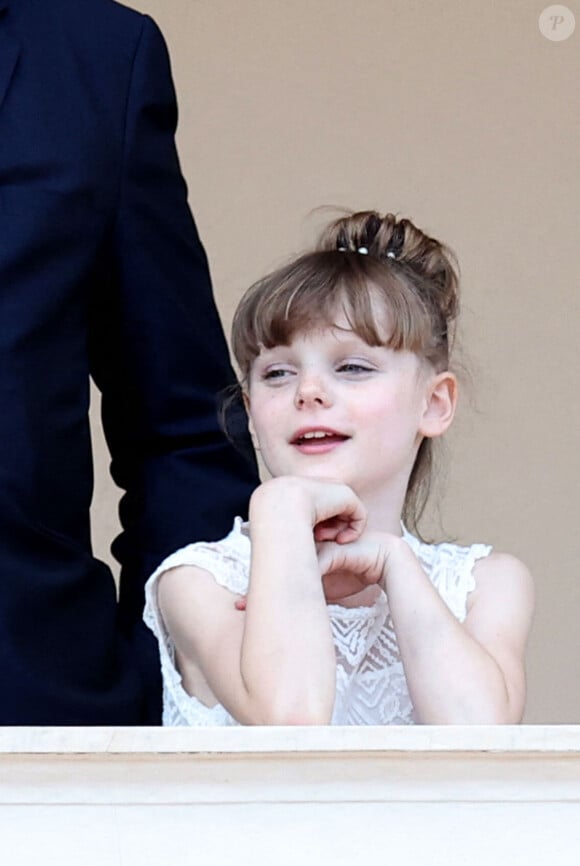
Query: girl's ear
[{"x": 440, "y": 403}]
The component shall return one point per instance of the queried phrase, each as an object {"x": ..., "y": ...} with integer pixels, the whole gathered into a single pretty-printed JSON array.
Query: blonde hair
[{"x": 360, "y": 259}]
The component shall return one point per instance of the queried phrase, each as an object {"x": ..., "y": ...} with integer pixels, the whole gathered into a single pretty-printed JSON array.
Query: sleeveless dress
[{"x": 371, "y": 688}]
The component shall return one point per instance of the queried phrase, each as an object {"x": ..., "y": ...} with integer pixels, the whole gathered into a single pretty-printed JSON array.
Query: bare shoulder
[
  {"x": 184, "y": 583},
  {"x": 502, "y": 576},
  {"x": 502, "y": 567}
]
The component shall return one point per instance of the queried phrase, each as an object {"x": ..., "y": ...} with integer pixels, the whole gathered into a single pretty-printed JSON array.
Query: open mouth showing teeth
[{"x": 318, "y": 436}]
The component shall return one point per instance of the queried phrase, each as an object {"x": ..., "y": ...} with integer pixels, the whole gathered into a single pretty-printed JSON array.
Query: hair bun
[{"x": 391, "y": 239}]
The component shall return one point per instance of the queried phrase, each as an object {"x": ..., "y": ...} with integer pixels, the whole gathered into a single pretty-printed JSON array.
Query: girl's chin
[{"x": 320, "y": 473}]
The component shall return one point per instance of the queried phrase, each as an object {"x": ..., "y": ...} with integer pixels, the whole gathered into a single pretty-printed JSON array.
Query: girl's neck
[{"x": 384, "y": 511}]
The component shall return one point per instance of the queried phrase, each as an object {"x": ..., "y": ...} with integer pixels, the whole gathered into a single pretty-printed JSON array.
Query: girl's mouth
[{"x": 317, "y": 441}]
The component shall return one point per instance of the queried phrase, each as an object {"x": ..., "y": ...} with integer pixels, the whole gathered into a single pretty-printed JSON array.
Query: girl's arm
[
  {"x": 470, "y": 673},
  {"x": 274, "y": 663},
  {"x": 457, "y": 673}
]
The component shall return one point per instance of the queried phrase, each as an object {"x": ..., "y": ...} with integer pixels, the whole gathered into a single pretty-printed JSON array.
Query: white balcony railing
[{"x": 431, "y": 796}]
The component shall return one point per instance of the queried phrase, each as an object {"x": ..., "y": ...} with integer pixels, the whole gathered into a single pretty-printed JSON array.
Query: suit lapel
[{"x": 9, "y": 51}]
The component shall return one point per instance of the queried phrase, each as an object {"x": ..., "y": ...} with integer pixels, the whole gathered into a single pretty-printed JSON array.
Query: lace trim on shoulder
[
  {"x": 227, "y": 560},
  {"x": 450, "y": 569},
  {"x": 462, "y": 582}
]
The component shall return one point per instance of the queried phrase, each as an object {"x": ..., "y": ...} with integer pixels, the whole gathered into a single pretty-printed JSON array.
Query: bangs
[{"x": 314, "y": 291}]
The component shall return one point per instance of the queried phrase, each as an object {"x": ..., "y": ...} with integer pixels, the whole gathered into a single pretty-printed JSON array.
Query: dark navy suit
[{"x": 101, "y": 273}]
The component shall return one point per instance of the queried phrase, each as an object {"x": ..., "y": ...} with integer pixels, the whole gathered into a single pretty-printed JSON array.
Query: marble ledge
[{"x": 517, "y": 739}]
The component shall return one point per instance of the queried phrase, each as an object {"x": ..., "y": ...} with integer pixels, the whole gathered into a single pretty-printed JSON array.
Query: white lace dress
[{"x": 370, "y": 681}]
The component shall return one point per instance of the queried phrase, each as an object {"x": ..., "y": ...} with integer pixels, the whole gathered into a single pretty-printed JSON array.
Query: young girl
[{"x": 324, "y": 608}]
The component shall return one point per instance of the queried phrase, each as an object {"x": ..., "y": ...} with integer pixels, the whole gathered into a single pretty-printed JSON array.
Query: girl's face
[{"x": 331, "y": 406}]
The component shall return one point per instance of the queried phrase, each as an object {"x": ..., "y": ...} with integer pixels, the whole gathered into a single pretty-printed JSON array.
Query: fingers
[
  {"x": 351, "y": 520},
  {"x": 350, "y": 533},
  {"x": 339, "y": 514},
  {"x": 330, "y": 529},
  {"x": 333, "y": 557},
  {"x": 363, "y": 560}
]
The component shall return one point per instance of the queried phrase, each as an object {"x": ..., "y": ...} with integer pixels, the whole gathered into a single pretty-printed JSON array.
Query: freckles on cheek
[{"x": 265, "y": 415}]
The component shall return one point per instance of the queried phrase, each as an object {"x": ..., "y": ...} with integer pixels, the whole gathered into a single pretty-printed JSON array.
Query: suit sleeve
[{"x": 159, "y": 354}]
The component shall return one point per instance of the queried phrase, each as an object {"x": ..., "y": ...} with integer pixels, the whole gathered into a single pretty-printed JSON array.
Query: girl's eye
[
  {"x": 277, "y": 373},
  {"x": 353, "y": 367}
]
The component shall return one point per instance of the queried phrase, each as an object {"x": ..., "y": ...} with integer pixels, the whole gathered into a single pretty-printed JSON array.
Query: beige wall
[{"x": 465, "y": 118}]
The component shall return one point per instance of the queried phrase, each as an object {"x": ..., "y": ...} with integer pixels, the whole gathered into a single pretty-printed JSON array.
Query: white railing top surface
[{"x": 551, "y": 739}]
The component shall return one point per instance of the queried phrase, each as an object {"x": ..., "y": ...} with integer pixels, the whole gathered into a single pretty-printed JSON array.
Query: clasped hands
[{"x": 350, "y": 557}]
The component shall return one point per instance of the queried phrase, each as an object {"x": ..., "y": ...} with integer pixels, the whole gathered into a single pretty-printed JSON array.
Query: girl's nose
[{"x": 312, "y": 391}]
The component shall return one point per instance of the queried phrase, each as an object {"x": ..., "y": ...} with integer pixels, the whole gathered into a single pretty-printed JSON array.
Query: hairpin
[{"x": 362, "y": 250}]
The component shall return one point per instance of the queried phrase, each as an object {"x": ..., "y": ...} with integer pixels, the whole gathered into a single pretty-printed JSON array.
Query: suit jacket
[{"x": 101, "y": 273}]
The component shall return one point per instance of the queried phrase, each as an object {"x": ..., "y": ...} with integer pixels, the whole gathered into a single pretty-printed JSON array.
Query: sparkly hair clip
[{"x": 363, "y": 251}]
